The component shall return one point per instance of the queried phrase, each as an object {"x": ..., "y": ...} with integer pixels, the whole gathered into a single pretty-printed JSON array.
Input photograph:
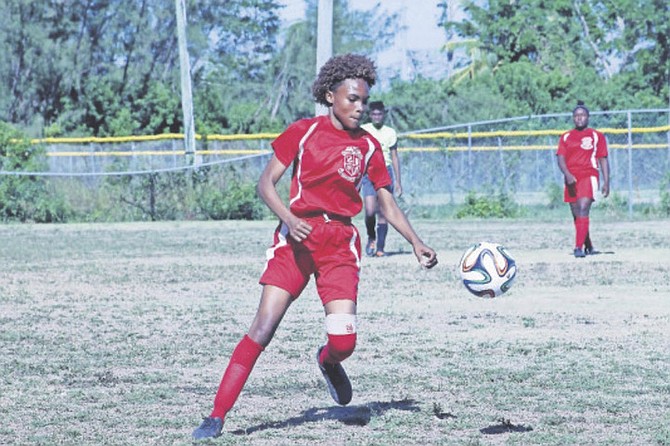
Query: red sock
[
  {"x": 239, "y": 368},
  {"x": 581, "y": 229},
  {"x": 338, "y": 348}
]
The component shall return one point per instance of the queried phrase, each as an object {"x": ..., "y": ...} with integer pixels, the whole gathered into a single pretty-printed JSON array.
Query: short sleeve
[
  {"x": 376, "y": 169},
  {"x": 601, "y": 148},
  {"x": 561, "y": 144},
  {"x": 287, "y": 144},
  {"x": 393, "y": 140}
]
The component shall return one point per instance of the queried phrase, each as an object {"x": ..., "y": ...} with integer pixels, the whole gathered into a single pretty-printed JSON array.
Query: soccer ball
[{"x": 487, "y": 269}]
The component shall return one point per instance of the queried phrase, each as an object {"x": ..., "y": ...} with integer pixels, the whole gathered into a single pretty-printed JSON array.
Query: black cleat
[
  {"x": 338, "y": 382},
  {"x": 588, "y": 246},
  {"x": 211, "y": 427},
  {"x": 579, "y": 253}
]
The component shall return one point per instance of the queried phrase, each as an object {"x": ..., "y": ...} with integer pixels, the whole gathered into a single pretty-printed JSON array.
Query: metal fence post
[
  {"x": 469, "y": 153},
  {"x": 630, "y": 166}
]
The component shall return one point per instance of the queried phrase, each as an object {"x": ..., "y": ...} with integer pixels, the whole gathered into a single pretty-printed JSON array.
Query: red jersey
[
  {"x": 581, "y": 149},
  {"x": 328, "y": 165}
]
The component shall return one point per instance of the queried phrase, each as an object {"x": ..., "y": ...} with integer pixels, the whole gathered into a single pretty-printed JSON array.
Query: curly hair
[{"x": 339, "y": 68}]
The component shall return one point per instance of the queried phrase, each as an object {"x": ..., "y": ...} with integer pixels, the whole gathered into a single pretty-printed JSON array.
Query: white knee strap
[{"x": 341, "y": 324}]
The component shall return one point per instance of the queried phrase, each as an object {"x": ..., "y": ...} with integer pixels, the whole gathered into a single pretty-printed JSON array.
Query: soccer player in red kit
[
  {"x": 328, "y": 155},
  {"x": 580, "y": 153}
]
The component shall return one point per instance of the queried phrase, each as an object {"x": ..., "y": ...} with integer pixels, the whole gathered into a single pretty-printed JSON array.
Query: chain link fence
[
  {"x": 517, "y": 156},
  {"x": 514, "y": 156}
]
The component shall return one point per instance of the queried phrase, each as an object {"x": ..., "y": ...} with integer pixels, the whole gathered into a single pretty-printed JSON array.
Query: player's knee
[{"x": 341, "y": 329}]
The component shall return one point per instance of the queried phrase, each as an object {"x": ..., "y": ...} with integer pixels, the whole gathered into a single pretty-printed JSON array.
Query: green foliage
[
  {"x": 664, "y": 205},
  {"x": 226, "y": 195},
  {"x": 112, "y": 68},
  {"x": 616, "y": 205},
  {"x": 238, "y": 201},
  {"x": 499, "y": 205},
  {"x": 545, "y": 55},
  {"x": 25, "y": 197},
  {"x": 203, "y": 194},
  {"x": 159, "y": 111},
  {"x": 554, "y": 195},
  {"x": 279, "y": 92},
  {"x": 123, "y": 123},
  {"x": 153, "y": 197}
]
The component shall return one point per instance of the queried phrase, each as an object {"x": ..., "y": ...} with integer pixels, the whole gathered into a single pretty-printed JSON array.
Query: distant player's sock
[
  {"x": 241, "y": 363},
  {"x": 370, "y": 222},
  {"x": 581, "y": 230},
  {"x": 382, "y": 230}
]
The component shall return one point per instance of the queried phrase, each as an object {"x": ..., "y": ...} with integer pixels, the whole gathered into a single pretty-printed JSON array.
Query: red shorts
[
  {"x": 332, "y": 252},
  {"x": 584, "y": 188}
]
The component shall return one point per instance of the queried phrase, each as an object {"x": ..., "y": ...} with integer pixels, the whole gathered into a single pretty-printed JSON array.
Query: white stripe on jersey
[
  {"x": 270, "y": 252},
  {"x": 299, "y": 168},
  {"x": 593, "y": 155},
  {"x": 371, "y": 150},
  {"x": 352, "y": 247}
]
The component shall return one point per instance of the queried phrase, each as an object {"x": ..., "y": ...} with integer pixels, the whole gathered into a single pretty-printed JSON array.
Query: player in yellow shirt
[{"x": 388, "y": 139}]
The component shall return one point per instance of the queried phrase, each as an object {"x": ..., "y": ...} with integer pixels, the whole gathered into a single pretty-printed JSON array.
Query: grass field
[{"x": 118, "y": 335}]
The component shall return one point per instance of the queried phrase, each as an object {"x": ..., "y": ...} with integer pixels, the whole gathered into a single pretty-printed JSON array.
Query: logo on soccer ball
[
  {"x": 352, "y": 164},
  {"x": 487, "y": 269}
]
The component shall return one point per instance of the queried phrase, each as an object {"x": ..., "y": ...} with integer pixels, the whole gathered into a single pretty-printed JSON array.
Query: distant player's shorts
[
  {"x": 369, "y": 190},
  {"x": 331, "y": 252},
  {"x": 584, "y": 188}
]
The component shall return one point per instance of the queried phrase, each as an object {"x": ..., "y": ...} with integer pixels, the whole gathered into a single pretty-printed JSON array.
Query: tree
[
  {"x": 587, "y": 49},
  {"x": 85, "y": 66},
  {"x": 294, "y": 68}
]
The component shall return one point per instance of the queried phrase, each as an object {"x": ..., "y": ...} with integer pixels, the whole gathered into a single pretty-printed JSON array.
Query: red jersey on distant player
[
  {"x": 581, "y": 149},
  {"x": 328, "y": 165}
]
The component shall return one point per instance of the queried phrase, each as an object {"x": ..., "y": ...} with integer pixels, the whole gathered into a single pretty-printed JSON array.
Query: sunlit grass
[{"x": 118, "y": 334}]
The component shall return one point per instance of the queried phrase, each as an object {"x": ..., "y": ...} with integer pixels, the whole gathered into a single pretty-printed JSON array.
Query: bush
[
  {"x": 238, "y": 201},
  {"x": 488, "y": 206},
  {"x": 664, "y": 205},
  {"x": 555, "y": 195},
  {"x": 26, "y": 197}
]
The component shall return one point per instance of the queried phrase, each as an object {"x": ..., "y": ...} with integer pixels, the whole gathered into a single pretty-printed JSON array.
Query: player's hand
[
  {"x": 298, "y": 228},
  {"x": 425, "y": 255},
  {"x": 398, "y": 190},
  {"x": 605, "y": 190},
  {"x": 571, "y": 185}
]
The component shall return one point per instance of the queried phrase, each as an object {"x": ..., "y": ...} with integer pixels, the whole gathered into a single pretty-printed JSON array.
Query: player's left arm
[
  {"x": 605, "y": 172},
  {"x": 603, "y": 163},
  {"x": 395, "y": 161},
  {"x": 394, "y": 215}
]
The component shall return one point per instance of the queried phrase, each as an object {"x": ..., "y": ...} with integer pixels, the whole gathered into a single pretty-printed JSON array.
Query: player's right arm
[
  {"x": 267, "y": 190},
  {"x": 560, "y": 159},
  {"x": 569, "y": 178}
]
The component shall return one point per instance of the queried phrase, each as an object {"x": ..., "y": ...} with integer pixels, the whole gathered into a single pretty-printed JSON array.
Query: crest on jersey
[
  {"x": 587, "y": 143},
  {"x": 351, "y": 164}
]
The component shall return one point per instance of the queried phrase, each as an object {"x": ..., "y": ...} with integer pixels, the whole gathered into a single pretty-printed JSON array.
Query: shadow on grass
[
  {"x": 504, "y": 427},
  {"x": 595, "y": 253},
  {"x": 351, "y": 415}
]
